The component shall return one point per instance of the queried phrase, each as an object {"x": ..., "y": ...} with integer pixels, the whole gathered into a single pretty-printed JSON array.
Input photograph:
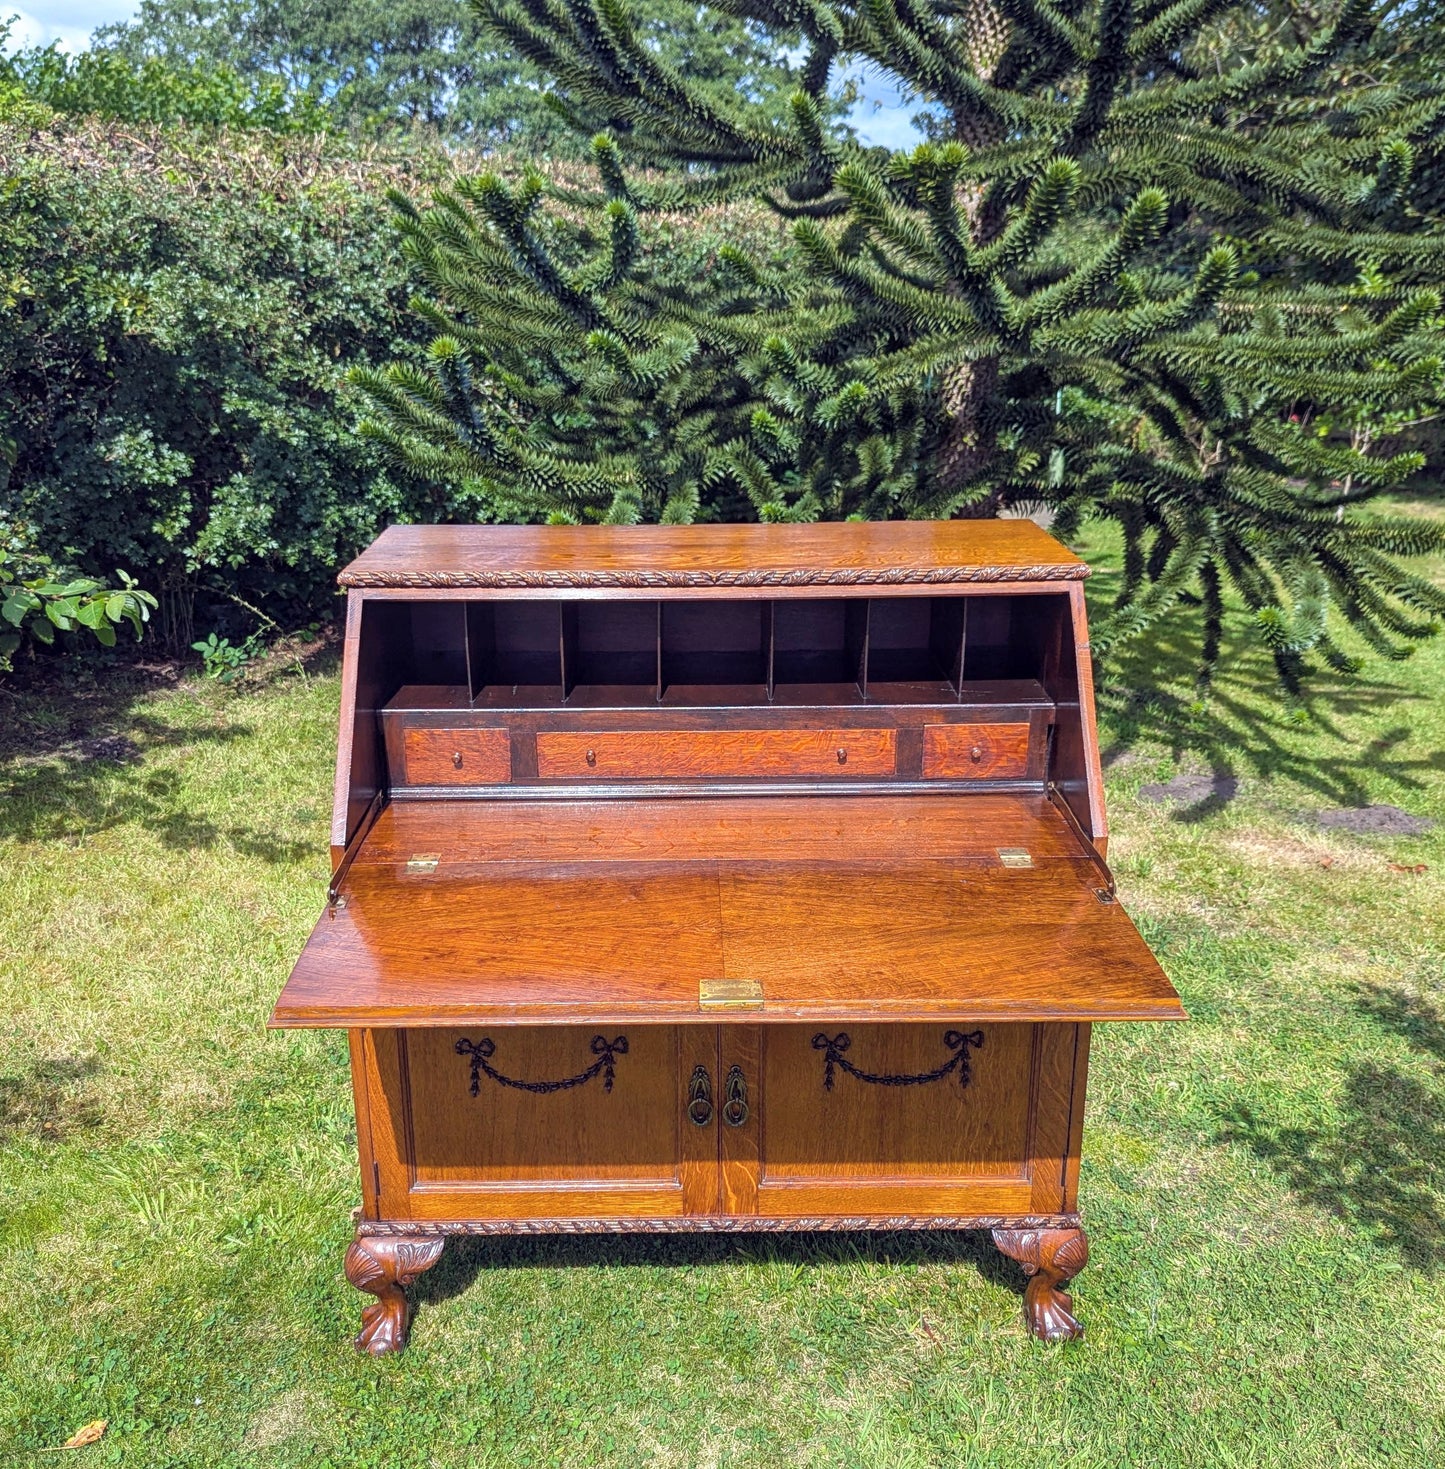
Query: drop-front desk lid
[{"x": 754, "y": 908}]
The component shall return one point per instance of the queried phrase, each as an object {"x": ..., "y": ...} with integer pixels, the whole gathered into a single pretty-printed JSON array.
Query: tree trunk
[{"x": 969, "y": 388}]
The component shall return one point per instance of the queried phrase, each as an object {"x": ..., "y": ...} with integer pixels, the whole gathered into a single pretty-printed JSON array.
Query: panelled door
[
  {"x": 901, "y": 1119},
  {"x": 543, "y": 1122}
]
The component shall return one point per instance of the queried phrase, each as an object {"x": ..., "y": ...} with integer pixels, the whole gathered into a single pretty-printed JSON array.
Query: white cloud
[{"x": 69, "y": 22}]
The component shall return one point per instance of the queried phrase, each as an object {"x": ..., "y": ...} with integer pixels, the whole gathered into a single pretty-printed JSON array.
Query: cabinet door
[
  {"x": 541, "y": 1122},
  {"x": 901, "y": 1119}
]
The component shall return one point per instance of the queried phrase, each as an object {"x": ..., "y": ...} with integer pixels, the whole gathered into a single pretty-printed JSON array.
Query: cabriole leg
[
  {"x": 1051, "y": 1258},
  {"x": 382, "y": 1265}
]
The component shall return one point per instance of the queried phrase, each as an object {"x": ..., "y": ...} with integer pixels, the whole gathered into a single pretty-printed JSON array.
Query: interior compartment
[
  {"x": 515, "y": 651},
  {"x": 610, "y": 646},
  {"x": 1018, "y": 637},
  {"x": 819, "y": 650},
  {"x": 916, "y": 641},
  {"x": 438, "y": 643},
  {"x": 715, "y": 652}
]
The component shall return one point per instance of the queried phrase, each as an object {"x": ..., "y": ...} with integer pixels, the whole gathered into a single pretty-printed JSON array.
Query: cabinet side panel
[
  {"x": 383, "y": 1067},
  {"x": 1076, "y": 1118},
  {"x": 375, "y": 658},
  {"x": 1097, "y": 825},
  {"x": 365, "y": 1155},
  {"x": 1051, "y": 1113}
]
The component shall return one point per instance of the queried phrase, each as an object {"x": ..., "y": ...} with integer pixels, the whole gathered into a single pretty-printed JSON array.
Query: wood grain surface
[
  {"x": 445, "y": 757},
  {"x": 886, "y": 553},
  {"x": 722, "y": 754},
  {"x": 973, "y": 751},
  {"x": 519, "y": 941},
  {"x": 817, "y": 828}
]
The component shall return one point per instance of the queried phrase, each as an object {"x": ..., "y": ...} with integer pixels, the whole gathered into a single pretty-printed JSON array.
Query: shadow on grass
[
  {"x": 1382, "y": 1164},
  {"x": 72, "y": 759},
  {"x": 468, "y": 1256},
  {"x": 49, "y": 1098},
  {"x": 1146, "y": 694}
]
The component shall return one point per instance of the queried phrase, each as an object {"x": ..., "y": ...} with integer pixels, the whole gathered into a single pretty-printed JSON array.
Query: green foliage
[
  {"x": 380, "y": 63},
  {"x": 177, "y": 314},
  {"x": 224, "y": 660},
  {"x": 38, "y": 598},
  {"x": 150, "y": 90},
  {"x": 1145, "y": 254}
]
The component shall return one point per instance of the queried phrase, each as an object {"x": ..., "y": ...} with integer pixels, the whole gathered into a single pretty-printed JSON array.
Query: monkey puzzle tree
[{"x": 1130, "y": 273}]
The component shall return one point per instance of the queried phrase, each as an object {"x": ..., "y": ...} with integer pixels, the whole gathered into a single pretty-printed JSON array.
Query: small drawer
[
  {"x": 974, "y": 751},
  {"x": 457, "y": 757},
  {"x": 715, "y": 754}
]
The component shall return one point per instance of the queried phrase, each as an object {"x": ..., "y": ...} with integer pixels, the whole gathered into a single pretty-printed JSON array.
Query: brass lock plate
[
  {"x": 729, "y": 994},
  {"x": 423, "y": 861},
  {"x": 1015, "y": 857}
]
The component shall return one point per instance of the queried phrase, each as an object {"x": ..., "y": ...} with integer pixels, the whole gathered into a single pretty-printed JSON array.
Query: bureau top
[{"x": 836, "y": 553}]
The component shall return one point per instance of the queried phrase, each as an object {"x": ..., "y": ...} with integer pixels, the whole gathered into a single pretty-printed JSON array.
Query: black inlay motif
[
  {"x": 957, "y": 1041},
  {"x": 481, "y": 1052}
]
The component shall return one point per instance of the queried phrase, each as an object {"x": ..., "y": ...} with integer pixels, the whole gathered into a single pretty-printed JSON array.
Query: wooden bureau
[{"x": 718, "y": 878}]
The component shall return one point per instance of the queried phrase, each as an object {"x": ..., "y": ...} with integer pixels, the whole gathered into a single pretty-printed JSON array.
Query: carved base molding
[{"x": 711, "y": 1224}]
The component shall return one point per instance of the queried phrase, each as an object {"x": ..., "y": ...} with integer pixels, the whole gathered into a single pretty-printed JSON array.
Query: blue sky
[
  {"x": 878, "y": 116},
  {"x": 68, "y": 21}
]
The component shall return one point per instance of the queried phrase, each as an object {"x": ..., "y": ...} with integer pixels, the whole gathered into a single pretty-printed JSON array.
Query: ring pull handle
[
  {"x": 735, "y": 1094},
  {"x": 699, "y": 1097}
]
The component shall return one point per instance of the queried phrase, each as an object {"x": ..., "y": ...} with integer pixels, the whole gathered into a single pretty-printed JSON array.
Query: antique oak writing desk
[{"x": 718, "y": 878}]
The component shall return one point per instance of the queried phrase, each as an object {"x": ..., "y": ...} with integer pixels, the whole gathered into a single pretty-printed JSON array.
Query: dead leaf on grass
[
  {"x": 93, "y": 1432},
  {"x": 1327, "y": 861},
  {"x": 1413, "y": 867}
]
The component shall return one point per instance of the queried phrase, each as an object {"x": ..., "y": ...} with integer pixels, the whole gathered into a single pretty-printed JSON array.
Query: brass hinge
[
  {"x": 729, "y": 994},
  {"x": 423, "y": 861},
  {"x": 1015, "y": 857}
]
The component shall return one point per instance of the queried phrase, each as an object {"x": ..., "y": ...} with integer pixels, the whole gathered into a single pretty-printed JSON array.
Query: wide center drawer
[{"x": 677, "y": 754}]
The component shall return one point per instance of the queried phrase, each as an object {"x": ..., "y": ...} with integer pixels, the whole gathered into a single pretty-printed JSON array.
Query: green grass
[{"x": 1265, "y": 1186}]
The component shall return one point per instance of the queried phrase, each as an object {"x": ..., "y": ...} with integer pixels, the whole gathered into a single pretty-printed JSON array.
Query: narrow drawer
[
  {"x": 715, "y": 754},
  {"x": 457, "y": 757},
  {"x": 973, "y": 751}
]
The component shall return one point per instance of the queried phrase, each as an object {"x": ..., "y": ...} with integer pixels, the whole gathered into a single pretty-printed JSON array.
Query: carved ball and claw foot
[
  {"x": 1051, "y": 1258},
  {"x": 383, "y": 1267}
]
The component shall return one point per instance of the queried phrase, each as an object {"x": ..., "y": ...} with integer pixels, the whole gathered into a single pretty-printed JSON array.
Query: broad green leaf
[
  {"x": 105, "y": 634},
  {"x": 43, "y": 632},
  {"x": 91, "y": 614},
  {"x": 14, "y": 611}
]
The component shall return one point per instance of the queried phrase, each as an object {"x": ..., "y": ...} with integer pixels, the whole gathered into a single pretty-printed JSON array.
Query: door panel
[
  {"x": 871, "y": 1143},
  {"x": 482, "y": 1147}
]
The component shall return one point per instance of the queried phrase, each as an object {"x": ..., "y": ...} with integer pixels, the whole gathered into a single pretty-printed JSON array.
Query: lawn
[{"x": 1264, "y": 1186}]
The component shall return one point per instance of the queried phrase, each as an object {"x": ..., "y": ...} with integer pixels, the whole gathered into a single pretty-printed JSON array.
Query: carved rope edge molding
[
  {"x": 841, "y": 577},
  {"x": 713, "y": 1224}
]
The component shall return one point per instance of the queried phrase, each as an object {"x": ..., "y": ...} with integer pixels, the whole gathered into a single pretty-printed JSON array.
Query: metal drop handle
[
  {"x": 699, "y": 1097},
  {"x": 735, "y": 1093}
]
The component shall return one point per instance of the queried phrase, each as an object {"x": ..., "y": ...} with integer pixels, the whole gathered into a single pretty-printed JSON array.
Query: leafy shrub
[
  {"x": 149, "y": 89},
  {"x": 37, "y": 598},
  {"x": 178, "y": 311}
]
